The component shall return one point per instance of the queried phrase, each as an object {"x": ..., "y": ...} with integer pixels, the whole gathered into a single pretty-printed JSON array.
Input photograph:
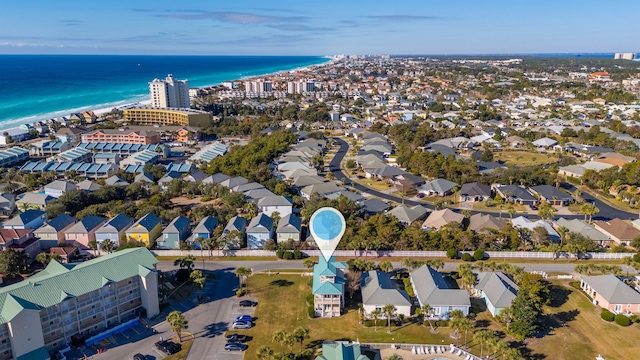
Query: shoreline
[{"x": 142, "y": 99}]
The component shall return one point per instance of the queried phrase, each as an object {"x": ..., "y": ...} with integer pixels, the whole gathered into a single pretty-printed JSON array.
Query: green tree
[
  {"x": 93, "y": 245},
  {"x": 426, "y": 311},
  {"x": 280, "y": 337},
  {"x": 309, "y": 263},
  {"x": 264, "y": 352},
  {"x": 177, "y": 322},
  {"x": 300, "y": 334},
  {"x": 589, "y": 209},
  {"x": 243, "y": 272},
  {"x": 13, "y": 262},
  {"x": 546, "y": 211},
  {"x": 43, "y": 258},
  {"x": 484, "y": 338},
  {"x": 394, "y": 356},
  {"x": 199, "y": 280},
  {"x": 187, "y": 262},
  {"x": 375, "y": 315},
  {"x": 386, "y": 266},
  {"x": 107, "y": 245},
  {"x": 389, "y": 311}
]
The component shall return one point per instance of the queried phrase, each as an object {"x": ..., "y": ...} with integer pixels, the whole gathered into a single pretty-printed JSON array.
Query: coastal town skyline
[{"x": 299, "y": 28}]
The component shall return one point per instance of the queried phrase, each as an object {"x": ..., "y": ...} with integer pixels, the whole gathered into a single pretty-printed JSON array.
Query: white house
[
  {"x": 378, "y": 290},
  {"x": 271, "y": 204},
  {"x": 431, "y": 288}
]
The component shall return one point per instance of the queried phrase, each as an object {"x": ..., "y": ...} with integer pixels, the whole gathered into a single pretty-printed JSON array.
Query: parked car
[
  {"x": 236, "y": 338},
  {"x": 247, "y": 303},
  {"x": 241, "y": 325},
  {"x": 244, "y": 318},
  {"x": 139, "y": 356},
  {"x": 168, "y": 347},
  {"x": 234, "y": 346}
]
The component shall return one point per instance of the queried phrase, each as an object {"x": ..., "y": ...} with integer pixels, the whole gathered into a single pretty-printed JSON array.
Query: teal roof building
[{"x": 328, "y": 287}]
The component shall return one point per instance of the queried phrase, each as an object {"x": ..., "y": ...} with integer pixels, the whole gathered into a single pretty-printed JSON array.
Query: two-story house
[
  {"x": 51, "y": 234},
  {"x": 328, "y": 287},
  {"x": 114, "y": 229},
  {"x": 178, "y": 230},
  {"x": 260, "y": 230},
  {"x": 84, "y": 231},
  {"x": 146, "y": 230}
]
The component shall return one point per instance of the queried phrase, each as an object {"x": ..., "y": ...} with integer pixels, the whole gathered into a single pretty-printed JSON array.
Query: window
[
  {"x": 94, "y": 316},
  {"x": 53, "y": 333}
]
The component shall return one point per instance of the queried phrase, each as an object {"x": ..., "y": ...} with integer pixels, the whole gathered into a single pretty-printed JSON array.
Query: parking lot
[
  {"x": 235, "y": 311},
  {"x": 131, "y": 335}
]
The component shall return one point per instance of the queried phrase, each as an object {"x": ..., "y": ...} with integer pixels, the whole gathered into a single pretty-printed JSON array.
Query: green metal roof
[
  {"x": 58, "y": 282},
  {"x": 341, "y": 351}
]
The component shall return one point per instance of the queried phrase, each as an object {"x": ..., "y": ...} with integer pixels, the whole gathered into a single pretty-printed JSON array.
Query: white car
[{"x": 241, "y": 325}]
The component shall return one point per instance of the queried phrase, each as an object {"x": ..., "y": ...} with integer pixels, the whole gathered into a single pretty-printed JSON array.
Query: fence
[{"x": 396, "y": 254}]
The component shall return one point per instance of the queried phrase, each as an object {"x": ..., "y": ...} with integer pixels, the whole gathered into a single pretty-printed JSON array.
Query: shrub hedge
[
  {"x": 622, "y": 320},
  {"x": 452, "y": 253},
  {"x": 467, "y": 257},
  {"x": 606, "y": 315}
]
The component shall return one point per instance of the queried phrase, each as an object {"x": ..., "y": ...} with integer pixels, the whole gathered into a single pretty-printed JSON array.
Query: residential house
[
  {"x": 433, "y": 289},
  {"x": 144, "y": 178},
  {"x": 51, "y": 234},
  {"x": 609, "y": 292},
  {"x": 196, "y": 176},
  {"x": 378, "y": 290},
  {"x": 515, "y": 141},
  {"x": 247, "y": 187},
  {"x": 484, "y": 223},
  {"x": 341, "y": 351},
  {"x": 517, "y": 194},
  {"x": 289, "y": 228},
  {"x": 167, "y": 178},
  {"x": 146, "y": 230},
  {"x": 551, "y": 194},
  {"x": 270, "y": 204},
  {"x": 116, "y": 180},
  {"x": 475, "y": 192},
  {"x": 522, "y": 222},
  {"x": 322, "y": 189},
  {"x": 496, "y": 289},
  {"x": 20, "y": 240},
  {"x": 7, "y": 205},
  {"x": 328, "y": 287},
  {"x": 71, "y": 135},
  {"x": 581, "y": 227},
  {"x": 114, "y": 229},
  {"x": 260, "y": 230},
  {"x": 437, "y": 187},
  {"x": 204, "y": 229},
  {"x": 88, "y": 186},
  {"x": 440, "y": 218},
  {"x": 67, "y": 254},
  {"x": 374, "y": 206},
  {"x": 408, "y": 214},
  {"x": 84, "y": 231},
  {"x": 30, "y": 219},
  {"x": 545, "y": 143},
  {"x": 57, "y": 188},
  {"x": 408, "y": 183},
  {"x": 236, "y": 223},
  {"x": 233, "y": 182},
  {"x": 178, "y": 230},
  {"x": 617, "y": 230},
  {"x": 257, "y": 194}
]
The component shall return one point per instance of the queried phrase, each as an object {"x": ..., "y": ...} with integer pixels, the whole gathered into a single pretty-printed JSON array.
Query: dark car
[
  {"x": 236, "y": 338},
  {"x": 139, "y": 357},
  {"x": 247, "y": 303},
  {"x": 244, "y": 318},
  {"x": 234, "y": 346},
  {"x": 168, "y": 347}
]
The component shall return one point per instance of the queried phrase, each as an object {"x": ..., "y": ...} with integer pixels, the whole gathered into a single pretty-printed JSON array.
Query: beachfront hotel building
[
  {"x": 168, "y": 116},
  {"x": 169, "y": 93},
  {"x": 121, "y": 136},
  {"x": 66, "y": 302}
]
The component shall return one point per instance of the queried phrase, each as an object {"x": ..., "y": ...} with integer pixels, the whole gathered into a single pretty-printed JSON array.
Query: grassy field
[
  {"x": 575, "y": 330},
  {"x": 283, "y": 307},
  {"x": 578, "y": 332},
  {"x": 186, "y": 347},
  {"x": 524, "y": 158}
]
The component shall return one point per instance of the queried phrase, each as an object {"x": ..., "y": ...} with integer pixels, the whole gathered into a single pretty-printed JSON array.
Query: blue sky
[{"x": 301, "y": 27}]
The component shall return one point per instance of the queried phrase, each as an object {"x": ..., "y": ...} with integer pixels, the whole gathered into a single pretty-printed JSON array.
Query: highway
[{"x": 606, "y": 212}]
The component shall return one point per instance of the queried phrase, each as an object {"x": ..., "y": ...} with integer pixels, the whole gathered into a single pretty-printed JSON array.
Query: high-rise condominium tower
[{"x": 169, "y": 93}]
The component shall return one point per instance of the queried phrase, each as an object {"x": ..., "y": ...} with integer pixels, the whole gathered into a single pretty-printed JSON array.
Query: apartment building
[
  {"x": 44, "y": 312},
  {"x": 169, "y": 93},
  {"x": 168, "y": 116},
  {"x": 121, "y": 136}
]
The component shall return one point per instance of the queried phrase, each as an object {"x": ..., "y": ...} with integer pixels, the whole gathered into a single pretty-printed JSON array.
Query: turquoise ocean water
[{"x": 38, "y": 87}]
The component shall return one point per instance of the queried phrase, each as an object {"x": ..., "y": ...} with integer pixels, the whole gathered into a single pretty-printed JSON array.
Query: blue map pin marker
[{"x": 327, "y": 226}]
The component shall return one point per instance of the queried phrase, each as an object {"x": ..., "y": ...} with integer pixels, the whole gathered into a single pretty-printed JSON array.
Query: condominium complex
[
  {"x": 64, "y": 301},
  {"x": 299, "y": 87},
  {"x": 258, "y": 86},
  {"x": 168, "y": 116},
  {"x": 121, "y": 136},
  {"x": 169, "y": 93}
]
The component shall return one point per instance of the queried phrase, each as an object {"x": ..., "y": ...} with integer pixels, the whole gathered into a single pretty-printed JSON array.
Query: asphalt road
[{"x": 606, "y": 211}]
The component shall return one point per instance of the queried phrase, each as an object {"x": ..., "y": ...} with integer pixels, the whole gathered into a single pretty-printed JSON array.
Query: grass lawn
[
  {"x": 182, "y": 354},
  {"x": 374, "y": 184},
  {"x": 524, "y": 158},
  {"x": 282, "y": 306},
  {"x": 578, "y": 332},
  {"x": 480, "y": 206}
]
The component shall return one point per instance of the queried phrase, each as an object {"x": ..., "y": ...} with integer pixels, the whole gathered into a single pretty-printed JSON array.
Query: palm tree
[
  {"x": 93, "y": 245},
  {"x": 308, "y": 263},
  {"x": 389, "y": 310},
  {"x": 483, "y": 337},
  {"x": 177, "y": 322},
  {"x": 264, "y": 352},
  {"x": 577, "y": 195},
  {"x": 280, "y": 337},
  {"x": 426, "y": 311},
  {"x": 627, "y": 260},
  {"x": 199, "y": 280},
  {"x": 589, "y": 209},
  {"x": 186, "y": 262},
  {"x": 299, "y": 334},
  {"x": 386, "y": 266},
  {"x": 511, "y": 211},
  {"x": 465, "y": 324},
  {"x": 243, "y": 272},
  {"x": 555, "y": 249},
  {"x": 562, "y": 231},
  {"x": 107, "y": 245},
  {"x": 375, "y": 315}
]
